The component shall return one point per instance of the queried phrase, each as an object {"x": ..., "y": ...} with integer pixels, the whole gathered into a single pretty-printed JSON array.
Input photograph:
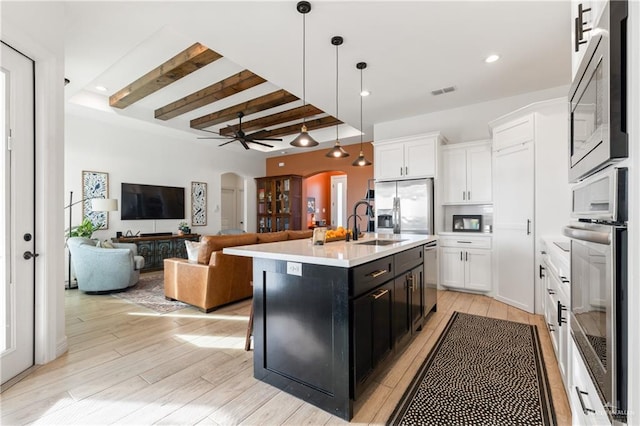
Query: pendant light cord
[
  {"x": 304, "y": 65},
  {"x": 337, "y": 114},
  {"x": 361, "y": 129}
]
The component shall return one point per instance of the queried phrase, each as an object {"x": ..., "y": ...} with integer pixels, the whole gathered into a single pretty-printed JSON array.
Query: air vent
[{"x": 443, "y": 90}]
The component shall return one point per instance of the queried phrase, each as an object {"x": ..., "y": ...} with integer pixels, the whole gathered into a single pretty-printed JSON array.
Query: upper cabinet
[
  {"x": 585, "y": 15},
  {"x": 406, "y": 158},
  {"x": 466, "y": 172}
]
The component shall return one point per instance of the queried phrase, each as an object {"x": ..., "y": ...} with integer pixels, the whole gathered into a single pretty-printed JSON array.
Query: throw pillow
[
  {"x": 106, "y": 244},
  {"x": 192, "y": 251}
]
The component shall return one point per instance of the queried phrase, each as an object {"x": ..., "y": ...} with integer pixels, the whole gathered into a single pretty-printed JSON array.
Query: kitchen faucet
[{"x": 356, "y": 217}]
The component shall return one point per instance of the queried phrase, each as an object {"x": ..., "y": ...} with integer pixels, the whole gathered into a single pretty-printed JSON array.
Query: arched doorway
[
  {"x": 326, "y": 198},
  {"x": 232, "y": 205}
]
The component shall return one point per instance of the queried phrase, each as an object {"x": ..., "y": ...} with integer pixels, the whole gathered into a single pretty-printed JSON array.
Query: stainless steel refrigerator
[{"x": 404, "y": 206}]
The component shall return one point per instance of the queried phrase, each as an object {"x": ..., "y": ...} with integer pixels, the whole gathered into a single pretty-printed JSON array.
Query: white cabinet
[
  {"x": 556, "y": 314},
  {"x": 586, "y": 407},
  {"x": 406, "y": 158},
  {"x": 466, "y": 171},
  {"x": 466, "y": 262}
]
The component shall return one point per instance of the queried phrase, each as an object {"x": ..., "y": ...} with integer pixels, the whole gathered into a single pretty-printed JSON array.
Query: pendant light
[
  {"x": 361, "y": 161},
  {"x": 337, "y": 151},
  {"x": 303, "y": 140}
]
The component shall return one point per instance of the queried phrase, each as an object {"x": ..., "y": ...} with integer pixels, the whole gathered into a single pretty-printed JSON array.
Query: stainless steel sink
[{"x": 379, "y": 242}]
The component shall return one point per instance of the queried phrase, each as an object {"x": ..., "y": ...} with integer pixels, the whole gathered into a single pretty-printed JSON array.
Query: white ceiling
[{"x": 411, "y": 48}]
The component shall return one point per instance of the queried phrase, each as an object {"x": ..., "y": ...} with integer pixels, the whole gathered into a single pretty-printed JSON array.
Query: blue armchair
[{"x": 101, "y": 269}]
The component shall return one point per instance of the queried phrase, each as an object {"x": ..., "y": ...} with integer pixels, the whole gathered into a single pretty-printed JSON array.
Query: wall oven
[
  {"x": 599, "y": 303},
  {"x": 597, "y": 97}
]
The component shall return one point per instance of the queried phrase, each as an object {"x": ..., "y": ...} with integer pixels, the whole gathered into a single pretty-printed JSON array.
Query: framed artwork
[
  {"x": 311, "y": 205},
  {"x": 95, "y": 185},
  {"x": 198, "y": 203}
]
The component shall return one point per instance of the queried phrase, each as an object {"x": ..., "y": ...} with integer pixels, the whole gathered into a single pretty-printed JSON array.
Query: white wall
[
  {"x": 462, "y": 124},
  {"x": 134, "y": 155}
]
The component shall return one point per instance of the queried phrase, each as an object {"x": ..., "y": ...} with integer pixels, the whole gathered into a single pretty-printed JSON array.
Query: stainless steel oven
[
  {"x": 598, "y": 97},
  {"x": 598, "y": 320}
]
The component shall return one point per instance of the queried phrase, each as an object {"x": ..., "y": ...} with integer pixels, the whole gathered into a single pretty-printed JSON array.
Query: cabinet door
[
  {"x": 454, "y": 175},
  {"x": 362, "y": 337},
  {"x": 381, "y": 309},
  {"x": 389, "y": 163},
  {"x": 513, "y": 227},
  {"x": 477, "y": 265},
  {"x": 401, "y": 324},
  {"x": 479, "y": 174},
  {"x": 420, "y": 158},
  {"x": 451, "y": 267},
  {"x": 415, "y": 297}
]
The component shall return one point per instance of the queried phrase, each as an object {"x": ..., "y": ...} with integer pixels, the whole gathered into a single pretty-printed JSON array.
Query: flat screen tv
[{"x": 151, "y": 202}]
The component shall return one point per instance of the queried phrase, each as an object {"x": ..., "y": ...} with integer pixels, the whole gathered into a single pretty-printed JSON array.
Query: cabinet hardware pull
[
  {"x": 464, "y": 195},
  {"x": 469, "y": 195},
  {"x": 461, "y": 256},
  {"x": 528, "y": 226},
  {"x": 550, "y": 327},
  {"x": 585, "y": 410},
  {"x": 400, "y": 170},
  {"x": 406, "y": 171},
  {"x": 464, "y": 242},
  {"x": 550, "y": 291},
  {"x": 579, "y": 29},
  {"x": 379, "y": 272},
  {"x": 541, "y": 271},
  {"x": 466, "y": 256},
  {"x": 380, "y": 293},
  {"x": 564, "y": 279}
]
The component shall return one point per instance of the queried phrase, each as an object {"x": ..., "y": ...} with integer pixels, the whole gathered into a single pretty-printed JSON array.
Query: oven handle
[{"x": 587, "y": 235}]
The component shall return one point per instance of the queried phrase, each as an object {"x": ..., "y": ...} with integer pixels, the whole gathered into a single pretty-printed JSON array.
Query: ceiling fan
[{"x": 240, "y": 136}]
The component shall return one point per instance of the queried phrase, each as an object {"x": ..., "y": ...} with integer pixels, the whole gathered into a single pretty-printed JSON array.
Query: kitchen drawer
[
  {"x": 370, "y": 275},
  {"x": 465, "y": 242},
  {"x": 408, "y": 259},
  {"x": 586, "y": 405}
]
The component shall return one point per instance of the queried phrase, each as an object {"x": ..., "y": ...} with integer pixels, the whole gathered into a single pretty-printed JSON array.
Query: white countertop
[{"x": 336, "y": 253}]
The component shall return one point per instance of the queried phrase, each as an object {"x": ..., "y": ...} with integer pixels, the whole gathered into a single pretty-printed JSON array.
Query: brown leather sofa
[{"x": 218, "y": 279}]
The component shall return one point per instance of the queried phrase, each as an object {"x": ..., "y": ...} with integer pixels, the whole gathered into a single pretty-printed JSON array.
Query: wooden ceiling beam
[
  {"x": 184, "y": 63},
  {"x": 271, "y": 100},
  {"x": 293, "y": 129},
  {"x": 220, "y": 90},
  {"x": 274, "y": 119}
]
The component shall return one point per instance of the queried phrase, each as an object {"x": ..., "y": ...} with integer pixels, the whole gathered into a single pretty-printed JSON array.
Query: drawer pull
[
  {"x": 550, "y": 291},
  {"x": 465, "y": 242},
  {"x": 378, "y": 273},
  {"x": 585, "y": 410},
  {"x": 379, "y": 294},
  {"x": 551, "y": 329}
]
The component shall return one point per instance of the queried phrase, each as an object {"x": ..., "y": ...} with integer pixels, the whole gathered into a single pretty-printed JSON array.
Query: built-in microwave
[{"x": 597, "y": 97}]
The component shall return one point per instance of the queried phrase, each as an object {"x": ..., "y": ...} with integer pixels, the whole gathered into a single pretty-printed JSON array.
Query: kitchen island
[{"x": 328, "y": 317}]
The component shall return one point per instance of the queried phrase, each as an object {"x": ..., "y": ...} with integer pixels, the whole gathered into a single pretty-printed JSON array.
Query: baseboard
[{"x": 62, "y": 346}]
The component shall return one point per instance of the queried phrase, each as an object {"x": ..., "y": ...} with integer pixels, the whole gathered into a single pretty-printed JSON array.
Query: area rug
[
  {"x": 481, "y": 371},
  {"x": 149, "y": 292}
]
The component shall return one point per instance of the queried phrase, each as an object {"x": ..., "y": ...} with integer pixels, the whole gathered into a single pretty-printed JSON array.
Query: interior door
[
  {"x": 513, "y": 225},
  {"x": 339, "y": 201},
  {"x": 228, "y": 215},
  {"x": 17, "y": 266}
]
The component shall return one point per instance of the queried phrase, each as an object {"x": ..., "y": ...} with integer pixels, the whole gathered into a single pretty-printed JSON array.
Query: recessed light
[
  {"x": 492, "y": 58},
  {"x": 365, "y": 93},
  {"x": 101, "y": 88}
]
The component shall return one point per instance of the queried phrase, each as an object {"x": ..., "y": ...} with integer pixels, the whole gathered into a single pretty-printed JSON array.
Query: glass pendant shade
[
  {"x": 361, "y": 161},
  {"x": 303, "y": 140},
  {"x": 337, "y": 151}
]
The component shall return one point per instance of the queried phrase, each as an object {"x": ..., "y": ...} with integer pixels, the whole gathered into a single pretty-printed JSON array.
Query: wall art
[
  {"x": 198, "y": 203},
  {"x": 95, "y": 185}
]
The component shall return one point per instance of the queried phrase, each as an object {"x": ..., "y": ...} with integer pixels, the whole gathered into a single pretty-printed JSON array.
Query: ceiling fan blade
[
  {"x": 244, "y": 143},
  {"x": 213, "y": 137},
  {"x": 266, "y": 139},
  {"x": 223, "y": 144},
  {"x": 263, "y": 144}
]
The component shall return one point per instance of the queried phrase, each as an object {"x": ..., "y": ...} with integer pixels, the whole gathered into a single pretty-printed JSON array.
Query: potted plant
[
  {"x": 183, "y": 228},
  {"x": 85, "y": 229}
]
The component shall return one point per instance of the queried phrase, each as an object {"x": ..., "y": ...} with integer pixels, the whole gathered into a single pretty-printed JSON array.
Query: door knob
[{"x": 28, "y": 255}]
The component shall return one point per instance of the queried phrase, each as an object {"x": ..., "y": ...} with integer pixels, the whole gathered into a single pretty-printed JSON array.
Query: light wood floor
[{"x": 128, "y": 365}]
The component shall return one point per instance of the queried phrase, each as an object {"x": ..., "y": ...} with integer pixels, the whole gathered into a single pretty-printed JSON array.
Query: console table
[{"x": 157, "y": 248}]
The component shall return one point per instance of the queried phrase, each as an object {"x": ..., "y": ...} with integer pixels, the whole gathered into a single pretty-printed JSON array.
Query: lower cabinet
[
  {"x": 156, "y": 249},
  {"x": 372, "y": 330},
  {"x": 465, "y": 263},
  {"x": 586, "y": 406}
]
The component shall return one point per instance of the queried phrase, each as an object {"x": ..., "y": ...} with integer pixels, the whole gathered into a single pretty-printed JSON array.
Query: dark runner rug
[
  {"x": 481, "y": 371},
  {"x": 149, "y": 292}
]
